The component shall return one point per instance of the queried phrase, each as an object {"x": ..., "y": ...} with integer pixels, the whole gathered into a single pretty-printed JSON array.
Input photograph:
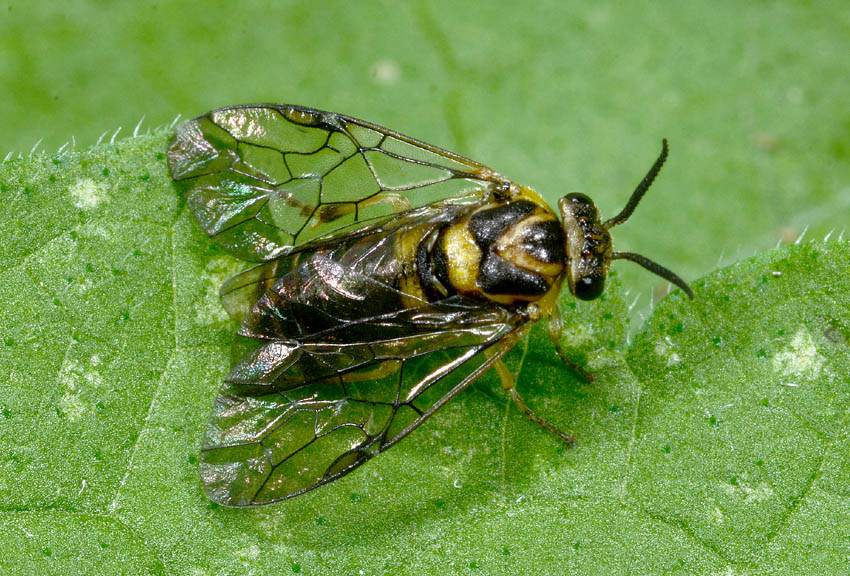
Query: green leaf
[{"x": 714, "y": 441}]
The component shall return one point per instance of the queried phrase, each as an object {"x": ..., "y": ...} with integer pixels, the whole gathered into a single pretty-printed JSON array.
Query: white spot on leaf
[
  {"x": 760, "y": 493},
  {"x": 717, "y": 515},
  {"x": 76, "y": 378},
  {"x": 799, "y": 359},
  {"x": 665, "y": 351},
  {"x": 751, "y": 494},
  {"x": 208, "y": 308},
  {"x": 72, "y": 406},
  {"x": 602, "y": 359},
  {"x": 87, "y": 194},
  {"x": 578, "y": 334},
  {"x": 84, "y": 286},
  {"x": 250, "y": 553}
]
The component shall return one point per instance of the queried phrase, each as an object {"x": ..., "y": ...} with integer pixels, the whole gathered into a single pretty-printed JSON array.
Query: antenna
[
  {"x": 640, "y": 190},
  {"x": 624, "y": 214},
  {"x": 655, "y": 268}
]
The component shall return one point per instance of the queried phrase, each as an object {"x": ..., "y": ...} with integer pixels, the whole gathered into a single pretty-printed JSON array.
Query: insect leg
[
  {"x": 554, "y": 328},
  {"x": 509, "y": 384}
]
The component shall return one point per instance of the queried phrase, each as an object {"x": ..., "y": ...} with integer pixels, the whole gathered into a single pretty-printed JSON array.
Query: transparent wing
[
  {"x": 263, "y": 178},
  {"x": 296, "y": 414},
  {"x": 334, "y": 363}
]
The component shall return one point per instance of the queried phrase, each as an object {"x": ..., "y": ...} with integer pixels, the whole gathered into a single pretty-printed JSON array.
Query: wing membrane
[
  {"x": 294, "y": 415},
  {"x": 264, "y": 178},
  {"x": 334, "y": 363}
]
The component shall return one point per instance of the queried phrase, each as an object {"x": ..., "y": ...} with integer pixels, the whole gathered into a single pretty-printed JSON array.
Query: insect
[{"x": 391, "y": 274}]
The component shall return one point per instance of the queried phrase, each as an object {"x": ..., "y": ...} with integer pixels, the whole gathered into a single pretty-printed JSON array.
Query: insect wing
[
  {"x": 263, "y": 178},
  {"x": 335, "y": 363},
  {"x": 296, "y": 414}
]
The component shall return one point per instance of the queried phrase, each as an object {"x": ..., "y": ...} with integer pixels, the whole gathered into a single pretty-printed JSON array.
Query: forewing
[
  {"x": 294, "y": 415},
  {"x": 263, "y": 178}
]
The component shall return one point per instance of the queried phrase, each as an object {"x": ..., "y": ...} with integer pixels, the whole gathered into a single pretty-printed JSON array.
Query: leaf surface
[{"x": 713, "y": 441}]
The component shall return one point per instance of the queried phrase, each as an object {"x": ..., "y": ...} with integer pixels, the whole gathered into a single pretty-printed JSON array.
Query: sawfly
[{"x": 390, "y": 274}]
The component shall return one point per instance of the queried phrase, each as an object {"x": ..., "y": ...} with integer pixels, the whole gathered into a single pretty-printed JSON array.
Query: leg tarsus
[
  {"x": 509, "y": 384},
  {"x": 589, "y": 377},
  {"x": 568, "y": 438},
  {"x": 554, "y": 327}
]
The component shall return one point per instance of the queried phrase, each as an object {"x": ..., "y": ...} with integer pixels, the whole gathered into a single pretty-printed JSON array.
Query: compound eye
[
  {"x": 578, "y": 205},
  {"x": 578, "y": 198},
  {"x": 589, "y": 287}
]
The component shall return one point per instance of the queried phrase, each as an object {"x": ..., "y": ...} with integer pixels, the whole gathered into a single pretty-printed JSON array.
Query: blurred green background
[{"x": 559, "y": 96}]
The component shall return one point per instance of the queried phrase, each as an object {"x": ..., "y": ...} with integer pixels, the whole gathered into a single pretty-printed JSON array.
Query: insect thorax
[{"x": 511, "y": 252}]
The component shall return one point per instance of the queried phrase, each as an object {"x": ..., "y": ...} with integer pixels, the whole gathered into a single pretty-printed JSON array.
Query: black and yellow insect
[{"x": 391, "y": 274}]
